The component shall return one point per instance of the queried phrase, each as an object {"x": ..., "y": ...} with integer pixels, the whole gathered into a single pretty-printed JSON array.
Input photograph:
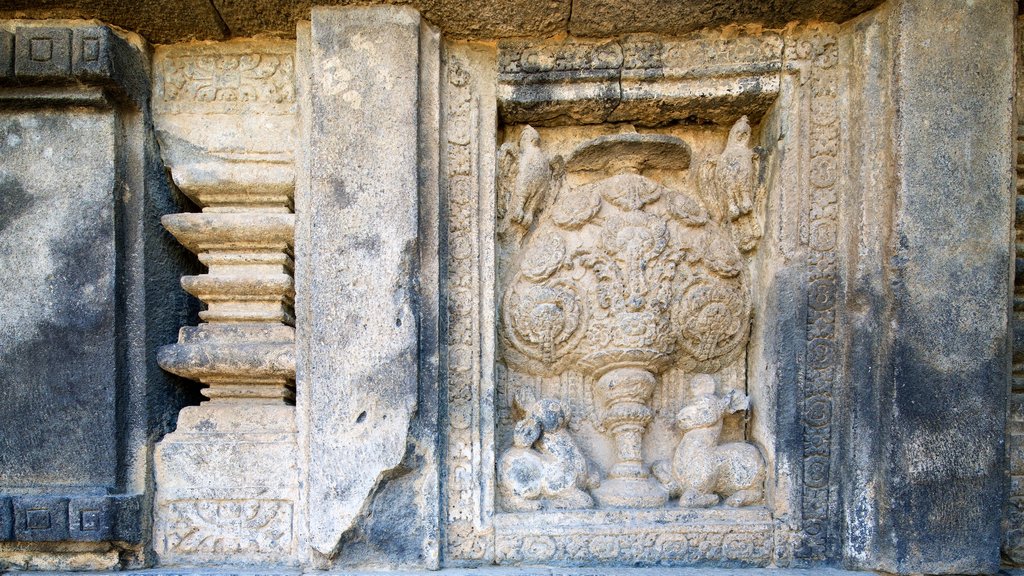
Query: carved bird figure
[
  {"x": 727, "y": 181},
  {"x": 528, "y": 177}
]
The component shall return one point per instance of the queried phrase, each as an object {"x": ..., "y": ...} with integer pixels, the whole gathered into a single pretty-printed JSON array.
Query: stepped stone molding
[
  {"x": 227, "y": 478},
  {"x": 244, "y": 183},
  {"x": 714, "y": 76}
]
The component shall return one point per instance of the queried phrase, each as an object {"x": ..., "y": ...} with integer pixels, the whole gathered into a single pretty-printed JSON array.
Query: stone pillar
[
  {"x": 1013, "y": 531},
  {"x": 928, "y": 224},
  {"x": 80, "y": 392},
  {"x": 366, "y": 280},
  {"x": 227, "y": 478}
]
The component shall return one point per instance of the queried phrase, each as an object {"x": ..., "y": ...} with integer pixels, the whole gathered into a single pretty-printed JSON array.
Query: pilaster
[{"x": 227, "y": 478}]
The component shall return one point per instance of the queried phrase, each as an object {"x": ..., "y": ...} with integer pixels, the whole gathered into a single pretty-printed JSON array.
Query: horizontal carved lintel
[{"x": 707, "y": 77}]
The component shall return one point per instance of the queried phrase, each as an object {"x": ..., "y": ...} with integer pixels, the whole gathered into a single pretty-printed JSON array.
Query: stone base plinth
[
  {"x": 227, "y": 486},
  {"x": 493, "y": 572}
]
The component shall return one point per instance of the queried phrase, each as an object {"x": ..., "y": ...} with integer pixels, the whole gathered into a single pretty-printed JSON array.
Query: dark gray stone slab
[
  {"x": 58, "y": 341},
  {"x": 40, "y": 519},
  {"x": 92, "y": 282},
  {"x": 931, "y": 212}
]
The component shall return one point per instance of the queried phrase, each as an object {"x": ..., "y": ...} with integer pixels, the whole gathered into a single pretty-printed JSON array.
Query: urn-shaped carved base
[{"x": 625, "y": 392}]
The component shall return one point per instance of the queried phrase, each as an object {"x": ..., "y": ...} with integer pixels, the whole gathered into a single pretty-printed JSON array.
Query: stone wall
[{"x": 702, "y": 288}]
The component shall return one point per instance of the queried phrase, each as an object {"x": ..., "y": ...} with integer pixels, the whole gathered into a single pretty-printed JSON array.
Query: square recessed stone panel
[
  {"x": 40, "y": 519},
  {"x": 90, "y": 51},
  {"x": 6, "y": 54},
  {"x": 6, "y": 520},
  {"x": 91, "y": 519},
  {"x": 42, "y": 52}
]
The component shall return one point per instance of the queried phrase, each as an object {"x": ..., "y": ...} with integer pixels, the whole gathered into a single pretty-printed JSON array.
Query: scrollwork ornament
[
  {"x": 544, "y": 257},
  {"x": 574, "y": 208}
]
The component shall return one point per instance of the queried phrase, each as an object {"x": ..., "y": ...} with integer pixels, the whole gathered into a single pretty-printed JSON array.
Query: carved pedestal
[
  {"x": 626, "y": 392},
  {"x": 228, "y": 477}
]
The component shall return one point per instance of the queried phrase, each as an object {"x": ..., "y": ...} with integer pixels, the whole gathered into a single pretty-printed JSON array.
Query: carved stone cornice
[
  {"x": 42, "y": 55},
  {"x": 714, "y": 76}
]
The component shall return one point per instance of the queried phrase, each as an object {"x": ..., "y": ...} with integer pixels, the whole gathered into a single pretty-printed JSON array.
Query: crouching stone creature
[
  {"x": 702, "y": 470},
  {"x": 544, "y": 468}
]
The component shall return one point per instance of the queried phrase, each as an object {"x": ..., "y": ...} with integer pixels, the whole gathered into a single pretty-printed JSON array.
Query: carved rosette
[{"x": 621, "y": 278}]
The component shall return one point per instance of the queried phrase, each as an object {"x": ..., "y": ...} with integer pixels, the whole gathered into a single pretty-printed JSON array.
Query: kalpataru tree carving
[{"x": 625, "y": 274}]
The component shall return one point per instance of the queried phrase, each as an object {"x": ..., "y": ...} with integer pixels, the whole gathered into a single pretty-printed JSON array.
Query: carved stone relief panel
[
  {"x": 624, "y": 411},
  {"x": 624, "y": 309}
]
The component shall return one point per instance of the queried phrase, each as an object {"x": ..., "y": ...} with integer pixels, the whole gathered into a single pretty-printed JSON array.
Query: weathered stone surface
[
  {"x": 166, "y": 22},
  {"x": 225, "y": 115},
  {"x": 227, "y": 486},
  {"x": 730, "y": 297},
  {"x": 492, "y": 571},
  {"x": 357, "y": 250},
  {"x": 610, "y": 17},
  {"x": 155, "y": 20},
  {"x": 710, "y": 76},
  {"x": 930, "y": 350}
]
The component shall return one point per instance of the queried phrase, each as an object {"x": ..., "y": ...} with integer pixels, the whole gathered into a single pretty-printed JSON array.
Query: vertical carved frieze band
[
  {"x": 817, "y": 54},
  {"x": 466, "y": 540}
]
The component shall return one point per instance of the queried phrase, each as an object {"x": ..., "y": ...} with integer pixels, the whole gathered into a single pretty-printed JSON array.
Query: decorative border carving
[
  {"x": 217, "y": 527},
  {"x": 817, "y": 53},
  {"x": 215, "y": 80},
  {"x": 726, "y": 545},
  {"x": 466, "y": 538}
]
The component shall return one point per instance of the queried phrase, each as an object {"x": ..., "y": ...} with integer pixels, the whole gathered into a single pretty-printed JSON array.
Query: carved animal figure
[
  {"x": 545, "y": 468},
  {"x": 528, "y": 178},
  {"x": 702, "y": 471}
]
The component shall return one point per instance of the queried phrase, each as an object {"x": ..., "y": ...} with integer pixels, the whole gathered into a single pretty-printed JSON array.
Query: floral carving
[
  {"x": 218, "y": 78},
  {"x": 623, "y": 276},
  {"x": 228, "y": 526},
  {"x": 544, "y": 318}
]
